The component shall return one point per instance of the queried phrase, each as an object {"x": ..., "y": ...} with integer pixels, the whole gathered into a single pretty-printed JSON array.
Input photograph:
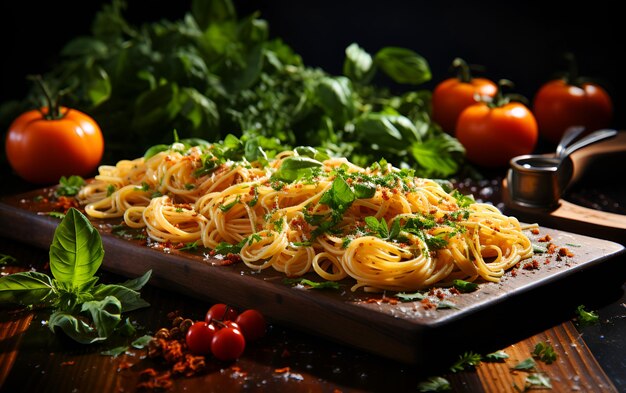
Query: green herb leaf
[
  {"x": 69, "y": 186},
  {"x": 358, "y": 65},
  {"x": 106, "y": 314},
  {"x": 465, "y": 286},
  {"x": 6, "y": 259},
  {"x": 403, "y": 65},
  {"x": 75, "y": 328},
  {"x": 27, "y": 288},
  {"x": 137, "y": 283},
  {"x": 468, "y": 359},
  {"x": 544, "y": 352},
  {"x": 538, "y": 380},
  {"x": 76, "y": 251},
  {"x": 539, "y": 249},
  {"x": 115, "y": 352},
  {"x": 129, "y": 299},
  {"x": 495, "y": 356},
  {"x": 295, "y": 168},
  {"x": 54, "y": 214},
  {"x": 462, "y": 200},
  {"x": 526, "y": 364},
  {"x": 142, "y": 342},
  {"x": 312, "y": 284},
  {"x": 434, "y": 384},
  {"x": 409, "y": 297},
  {"x": 586, "y": 317}
]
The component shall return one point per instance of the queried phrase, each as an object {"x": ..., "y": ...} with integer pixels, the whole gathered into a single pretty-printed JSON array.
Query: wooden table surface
[{"x": 589, "y": 358}]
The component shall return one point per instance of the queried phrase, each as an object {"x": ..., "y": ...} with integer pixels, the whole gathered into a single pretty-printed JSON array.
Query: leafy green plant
[
  {"x": 86, "y": 311},
  {"x": 213, "y": 72}
]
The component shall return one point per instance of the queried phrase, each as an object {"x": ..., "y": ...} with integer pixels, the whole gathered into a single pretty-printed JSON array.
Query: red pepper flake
[
  {"x": 232, "y": 259},
  {"x": 514, "y": 273},
  {"x": 282, "y": 370},
  {"x": 534, "y": 231},
  {"x": 65, "y": 203},
  {"x": 389, "y": 300},
  {"x": 385, "y": 195},
  {"x": 123, "y": 365},
  {"x": 533, "y": 265},
  {"x": 564, "y": 252},
  {"x": 545, "y": 239},
  {"x": 440, "y": 295},
  {"x": 428, "y": 304},
  {"x": 551, "y": 248},
  {"x": 68, "y": 363},
  {"x": 454, "y": 291},
  {"x": 547, "y": 261}
]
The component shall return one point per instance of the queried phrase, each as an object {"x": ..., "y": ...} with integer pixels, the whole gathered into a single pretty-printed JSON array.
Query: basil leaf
[
  {"x": 439, "y": 155},
  {"x": 358, "y": 65},
  {"x": 311, "y": 152},
  {"x": 386, "y": 132},
  {"x": 27, "y": 288},
  {"x": 496, "y": 356},
  {"x": 142, "y": 342},
  {"x": 76, "y": 251},
  {"x": 409, "y": 297},
  {"x": 106, "y": 314},
  {"x": 115, "y": 352},
  {"x": 364, "y": 190},
  {"x": 77, "y": 329},
  {"x": 154, "y": 150},
  {"x": 538, "y": 380},
  {"x": 403, "y": 65},
  {"x": 296, "y": 167},
  {"x": 139, "y": 282},
  {"x": 586, "y": 317},
  {"x": 340, "y": 196},
  {"x": 129, "y": 299},
  {"x": 335, "y": 96},
  {"x": 526, "y": 364}
]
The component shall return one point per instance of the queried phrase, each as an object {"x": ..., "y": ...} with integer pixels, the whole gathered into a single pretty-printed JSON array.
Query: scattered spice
[
  {"x": 545, "y": 239},
  {"x": 564, "y": 252},
  {"x": 68, "y": 363},
  {"x": 282, "y": 370},
  {"x": 534, "y": 231},
  {"x": 532, "y": 265}
]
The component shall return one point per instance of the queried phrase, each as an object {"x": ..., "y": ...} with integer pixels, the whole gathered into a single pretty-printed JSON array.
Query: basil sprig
[{"x": 84, "y": 310}]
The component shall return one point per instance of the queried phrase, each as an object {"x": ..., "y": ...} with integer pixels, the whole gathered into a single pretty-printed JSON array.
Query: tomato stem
[
  {"x": 54, "y": 111},
  {"x": 572, "y": 77},
  {"x": 462, "y": 69}
]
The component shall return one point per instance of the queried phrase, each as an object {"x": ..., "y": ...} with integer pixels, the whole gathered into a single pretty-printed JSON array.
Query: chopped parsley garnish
[
  {"x": 434, "y": 384},
  {"x": 465, "y": 286},
  {"x": 230, "y": 205},
  {"x": 586, "y": 317},
  {"x": 495, "y": 356},
  {"x": 526, "y": 364},
  {"x": 69, "y": 186},
  {"x": 312, "y": 284},
  {"x": 144, "y": 187},
  {"x": 468, "y": 359},
  {"x": 54, "y": 214},
  {"x": 110, "y": 189},
  {"x": 190, "y": 246},
  {"x": 462, "y": 200},
  {"x": 544, "y": 352}
]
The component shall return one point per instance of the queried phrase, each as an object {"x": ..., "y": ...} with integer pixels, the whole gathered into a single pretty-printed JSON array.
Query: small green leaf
[
  {"x": 137, "y": 283},
  {"x": 6, "y": 259},
  {"x": 154, "y": 150},
  {"x": 544, "y": 352},
  {"x": 69, "y": 186},
  {"x": 495, "y": 356},
  {"x": 129, "y": 299},
  {"x": 312, "y": 284},
  {"x": 295, "y": 168},
  {"x": 538, "y": 380},
  {"x": 526, "y": 364},
  {"x": 409, "y": 297},
  {"x": 76, "y": 251},
  {"x": 468, "y": 359},
  {"x": 115, "y": 352},
  {"x": 465, "y": 286},
  {"x": 434, "y": 384},
  {"x": 142, "y": 342},
  {"x": 358, "y": 65},
  {"x": 586, "y": 317}
]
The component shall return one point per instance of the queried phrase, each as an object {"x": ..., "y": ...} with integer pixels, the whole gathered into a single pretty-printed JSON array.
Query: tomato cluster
[
  {"x": 224, "y": 332},
  {"x": 493, "y": 129}
]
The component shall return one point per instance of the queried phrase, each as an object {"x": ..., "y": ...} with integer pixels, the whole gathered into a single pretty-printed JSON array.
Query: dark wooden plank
[{"x": 407, "y": 332}]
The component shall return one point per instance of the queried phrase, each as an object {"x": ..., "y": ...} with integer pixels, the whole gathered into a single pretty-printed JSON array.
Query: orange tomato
[
  {"x": 453, "y": 95},
  {"x": 493, "y": 133},
  {"x": 41, "y": 150},
  {"x": 559, "y": 105}
]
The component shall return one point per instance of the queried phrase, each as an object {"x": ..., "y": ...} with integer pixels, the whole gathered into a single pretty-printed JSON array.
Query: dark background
[{"x": 521, "y": 42}]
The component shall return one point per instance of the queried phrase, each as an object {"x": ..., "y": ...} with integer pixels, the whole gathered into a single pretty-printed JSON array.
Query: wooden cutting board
[{"x": 412, "y": 332}]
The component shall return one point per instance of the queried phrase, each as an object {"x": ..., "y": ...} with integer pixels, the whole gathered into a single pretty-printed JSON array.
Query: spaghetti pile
[{"x": 301, "y": 211}]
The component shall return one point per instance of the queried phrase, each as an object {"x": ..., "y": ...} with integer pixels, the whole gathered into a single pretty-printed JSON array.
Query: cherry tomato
[
  {"x": 228, "y": 343},
  {"x": 199, "y": 337},
  {"x": 559, "y": 105},
  {"x": 453, "y": 95},
  {"x": 494, "y": 133},
  {"x": 252, "y": 324},
  {"x": 220, "y": 312}
]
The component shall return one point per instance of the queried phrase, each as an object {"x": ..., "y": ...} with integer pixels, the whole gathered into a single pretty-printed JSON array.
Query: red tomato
[
  {"x": 559, "y": 105},
  {"x": 494, "y": 133},
  {"x": 453, "y": 95},
  {"x": 199, "y": 338},
  {"x": 42, "y": 150},
  {"x": 228, "y": 343},
  {"x": 221, "y": 312},
  {"x": 252, "y": 324}
]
